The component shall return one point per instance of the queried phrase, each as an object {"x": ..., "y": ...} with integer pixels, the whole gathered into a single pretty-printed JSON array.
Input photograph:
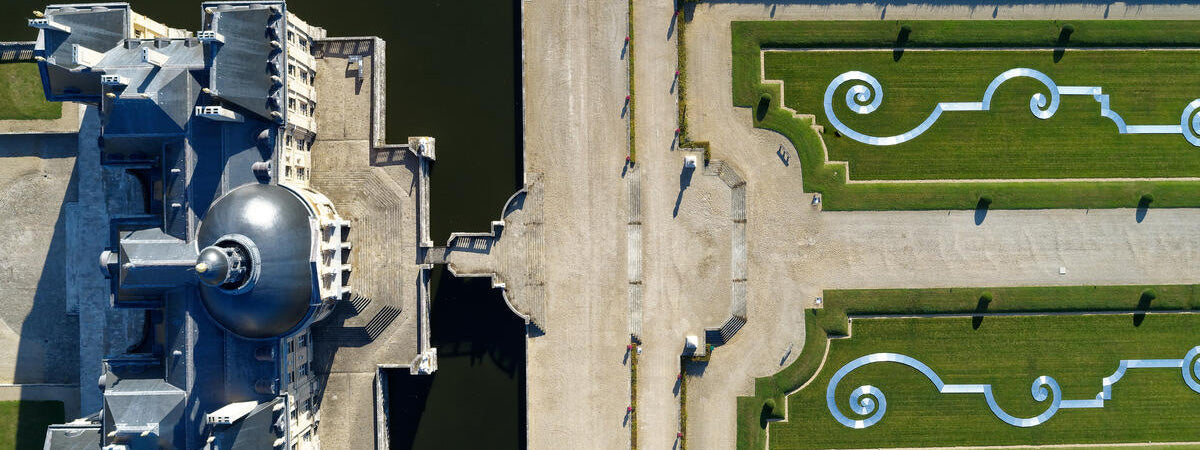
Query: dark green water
[{"x": 453, "y": 73}]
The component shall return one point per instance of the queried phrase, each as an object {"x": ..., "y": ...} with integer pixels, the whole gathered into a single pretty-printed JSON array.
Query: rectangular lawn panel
[
  {"x": 1145, "y": 87},
  {"x": 21, "y": 95},
  {"x": 1009, "y": 353}
]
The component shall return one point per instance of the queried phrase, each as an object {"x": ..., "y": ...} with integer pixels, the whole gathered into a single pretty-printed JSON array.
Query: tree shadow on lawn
[
  {"x": 981, "y": 308},
  {"x": 1060, "y": 46},
  {"x": 1143, "y": 306},
  {"x": 764, "y": 105},
  {"x": 901, "y": 41}
]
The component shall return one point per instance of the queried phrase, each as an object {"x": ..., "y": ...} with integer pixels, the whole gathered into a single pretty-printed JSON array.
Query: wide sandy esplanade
[{"x": 680, "y": 248}]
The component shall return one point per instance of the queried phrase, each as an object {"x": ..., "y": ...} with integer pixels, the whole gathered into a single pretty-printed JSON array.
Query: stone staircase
[
  {"x": 633, "y": 267},
  {"x": 717, "y": 337}
]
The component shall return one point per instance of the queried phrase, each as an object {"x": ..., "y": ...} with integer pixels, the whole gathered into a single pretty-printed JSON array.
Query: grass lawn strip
[{"x": 830, "y": 178}]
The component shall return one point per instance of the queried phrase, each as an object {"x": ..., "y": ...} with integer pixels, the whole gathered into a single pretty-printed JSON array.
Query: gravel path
[
  {"x": 667, "y": 248},
  {"x": 575, "y": 82}
]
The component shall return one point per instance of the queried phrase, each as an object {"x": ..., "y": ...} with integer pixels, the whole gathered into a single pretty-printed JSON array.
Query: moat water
[{"x": 454, "y": 74}]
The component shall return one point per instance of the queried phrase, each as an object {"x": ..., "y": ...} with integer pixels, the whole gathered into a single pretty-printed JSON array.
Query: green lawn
[
  {"x": 1008, "y": 353},
  {"x": 1145, "y": 87},
  {"x": 831, "y": 320},
  {"x": 1076, "y": 142},
  {"x": 23, "y": 423},
  {"x": 21, "y": 94}
]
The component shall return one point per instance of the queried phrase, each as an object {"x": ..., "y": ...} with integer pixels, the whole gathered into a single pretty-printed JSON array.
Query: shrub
[
  {"x": 986, "y": 297},
  {"x": 770, "y": 410},
  {"x": 1146, "y": 199},
  {"x": 985, "y": 201},
  {"x": 1067, "y": 29},
  {"x": 1148, "y": 295},
  {"x": 905, "y": 29}
]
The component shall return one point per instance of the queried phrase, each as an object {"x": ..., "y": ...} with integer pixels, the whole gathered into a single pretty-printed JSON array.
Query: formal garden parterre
[
  {"x": 1073, "y": 159},
  {"x": 1003, "y": 337}
]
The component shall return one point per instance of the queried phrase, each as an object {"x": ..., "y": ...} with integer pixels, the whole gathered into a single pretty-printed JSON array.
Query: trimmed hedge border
[
  {"x": 684, "y": 138},
  {"x": 630, "y": 103}
]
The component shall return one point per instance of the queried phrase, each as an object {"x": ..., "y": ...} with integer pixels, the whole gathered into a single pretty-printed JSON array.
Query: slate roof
[
  {"x": 195, "y": 161},
  {"x": 97, "y": 27},
  {"x": 73, "y": 437},
  {"x": 243, "y": 65}
]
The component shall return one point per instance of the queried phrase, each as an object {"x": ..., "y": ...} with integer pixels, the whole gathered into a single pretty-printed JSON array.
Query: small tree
[
  {"x": 1148, "y": 296},
  {"x": 1067, "y": 29},
  {"x": 770, "y": 410},
  {"x": 985, "y": 298},
  {"x": 1146, "y": 199},
  {"x": 985, "y": 201},
  {"x": 905, "y": 29}
]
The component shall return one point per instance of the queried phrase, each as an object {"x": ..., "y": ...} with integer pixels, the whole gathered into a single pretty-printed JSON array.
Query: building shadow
[
  {"x": 533, "y": 330},
  {"x": 48, "y": 346},
  {"x": 693, "y": 368},
  {"x": 407, "y": 397},
  {"x": 685, "y": 180},
  {"x": 476, "y": 399}
]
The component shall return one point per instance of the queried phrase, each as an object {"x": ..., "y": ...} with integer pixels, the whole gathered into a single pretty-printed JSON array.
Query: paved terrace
[
  {"x": 511, "y": 254},
  {"x": 380, "y": 190}
]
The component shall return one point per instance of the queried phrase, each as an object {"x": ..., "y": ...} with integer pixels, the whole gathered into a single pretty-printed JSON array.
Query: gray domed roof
[{"x": 274, "y": 223}]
